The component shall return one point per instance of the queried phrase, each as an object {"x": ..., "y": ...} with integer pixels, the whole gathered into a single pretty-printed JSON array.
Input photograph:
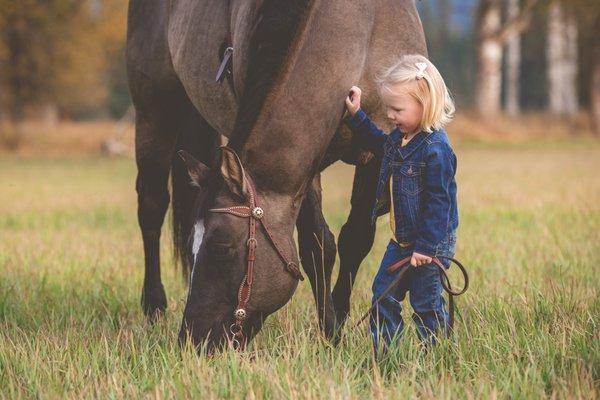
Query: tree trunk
[
  {"x": 571, "y": 60},
  {"x": 561, "y": 54},
  {"x": 14, "y": 36},
  {"x": 595, "y": 79},
  {"x": 445, "y": 21},
  {"x": 513, "y": 64},
  {"x": 489, "y": 54}
]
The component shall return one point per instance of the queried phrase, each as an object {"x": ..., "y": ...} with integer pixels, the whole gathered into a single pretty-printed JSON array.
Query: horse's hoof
[
  {"x": 154, "y": 303},
  {"x": 341, "y": 317},
  {"x": 334, "y": 336},
  {"x": 332, "y": 331}
]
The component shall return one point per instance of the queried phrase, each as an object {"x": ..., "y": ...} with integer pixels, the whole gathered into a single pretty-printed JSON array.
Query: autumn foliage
[{"x": 56, "y": 56}]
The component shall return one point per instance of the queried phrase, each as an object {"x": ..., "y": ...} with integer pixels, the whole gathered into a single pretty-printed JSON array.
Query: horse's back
[
  {"x": 147, "y": 50},
  {"x": 197, "y": 34},
  {"x": 174, "y": 46}
]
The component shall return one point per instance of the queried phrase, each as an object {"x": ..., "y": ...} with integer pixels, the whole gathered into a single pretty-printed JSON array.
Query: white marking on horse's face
[{"x": 198, "y": 236}]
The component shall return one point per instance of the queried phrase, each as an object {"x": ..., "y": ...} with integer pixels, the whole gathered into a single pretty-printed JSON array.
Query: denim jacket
[{"x": 423, "y": 170}]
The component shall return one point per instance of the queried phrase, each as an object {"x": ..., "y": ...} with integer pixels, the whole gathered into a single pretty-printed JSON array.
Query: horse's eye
[{"x": 219, "y": 251}]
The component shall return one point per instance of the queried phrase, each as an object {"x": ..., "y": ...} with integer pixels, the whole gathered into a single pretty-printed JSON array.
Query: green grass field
[{"x": 71, "y": 272}]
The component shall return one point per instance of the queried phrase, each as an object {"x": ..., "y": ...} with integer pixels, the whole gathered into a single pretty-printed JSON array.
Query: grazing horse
[{"x": 280, "y": 103}]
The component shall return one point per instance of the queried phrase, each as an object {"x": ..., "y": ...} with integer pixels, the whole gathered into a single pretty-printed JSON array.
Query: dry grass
[
  {"x": 70, "y": 138},
  {"x": 66, "y": 138},
  {"x": 526, "y": 127},
  {"x": 71, "y": 273}
]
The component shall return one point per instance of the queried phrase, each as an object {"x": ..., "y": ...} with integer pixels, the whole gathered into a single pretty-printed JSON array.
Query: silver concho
[
  {"x": 240, "y": 313},
  {"x": 257, "y": 212}
]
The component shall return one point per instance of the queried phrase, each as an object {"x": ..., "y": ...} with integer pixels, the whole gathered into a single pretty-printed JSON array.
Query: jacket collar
[{"x": 414, "y": 144}]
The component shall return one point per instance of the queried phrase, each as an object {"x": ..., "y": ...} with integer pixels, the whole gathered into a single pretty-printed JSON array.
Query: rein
[
  {"x": 255, "y": 214},
  {"x": 403, "y": 265}
]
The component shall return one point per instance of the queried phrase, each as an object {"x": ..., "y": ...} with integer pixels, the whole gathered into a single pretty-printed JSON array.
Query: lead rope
[{"x": 403, "y": 265}]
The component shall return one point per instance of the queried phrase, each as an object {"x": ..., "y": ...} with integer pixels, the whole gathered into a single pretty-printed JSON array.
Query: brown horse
[{"x": 281, "y": 108}]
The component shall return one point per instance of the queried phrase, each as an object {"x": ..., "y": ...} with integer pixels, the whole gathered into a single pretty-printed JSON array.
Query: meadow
[{"x": 71, "y": 268}]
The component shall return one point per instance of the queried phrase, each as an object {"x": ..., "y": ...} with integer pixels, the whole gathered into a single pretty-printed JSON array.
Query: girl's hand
[
  {"x": 419, "y": 259},
  {"x": 353, "y": 100}
]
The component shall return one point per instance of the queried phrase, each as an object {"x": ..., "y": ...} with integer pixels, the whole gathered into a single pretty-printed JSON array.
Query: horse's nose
[{"x": 208, "y": 337}]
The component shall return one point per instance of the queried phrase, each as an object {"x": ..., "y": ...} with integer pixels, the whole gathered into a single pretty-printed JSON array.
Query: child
[{"x": 417, "y": 183}]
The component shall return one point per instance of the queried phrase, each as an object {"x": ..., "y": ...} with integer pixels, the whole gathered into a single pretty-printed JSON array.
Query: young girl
[{"x": 416, "y": 184}]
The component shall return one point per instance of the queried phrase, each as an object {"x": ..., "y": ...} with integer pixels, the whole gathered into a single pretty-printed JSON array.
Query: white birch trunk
[
  {"x": 489, "y": 74},
  {"x": 595, "y": 97},
  {"x": 513, "y": 63},
  {"x": 571, "y": 63},
  {"x": 561, "y": 55},
  {"x": 595, "y": 81}
]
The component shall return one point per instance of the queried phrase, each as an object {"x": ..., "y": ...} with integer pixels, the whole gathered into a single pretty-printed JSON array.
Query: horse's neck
[
  {"x": 328, "y": 55},
  {"x": 242, "y": 14},
  {"x": 303, "y": 109}
]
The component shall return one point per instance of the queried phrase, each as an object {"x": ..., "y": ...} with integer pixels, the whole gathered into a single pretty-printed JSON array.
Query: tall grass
[{"x": 71, "y": 272}]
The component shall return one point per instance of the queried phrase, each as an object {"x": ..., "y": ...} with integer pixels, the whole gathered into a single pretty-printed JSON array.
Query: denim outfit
[{"x": 426, "y": 217}]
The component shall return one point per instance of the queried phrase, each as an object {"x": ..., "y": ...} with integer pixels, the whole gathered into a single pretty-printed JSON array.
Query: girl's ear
[
  {"x": 197, "y": 170},
  {"x": 233, "y": 172}
]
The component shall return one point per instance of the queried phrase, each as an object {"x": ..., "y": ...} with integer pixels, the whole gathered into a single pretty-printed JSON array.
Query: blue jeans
[{"x": 425, "y": 287}]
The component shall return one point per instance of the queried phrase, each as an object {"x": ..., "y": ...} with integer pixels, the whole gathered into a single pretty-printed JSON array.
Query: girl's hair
[{"x": 431, "y": 92}]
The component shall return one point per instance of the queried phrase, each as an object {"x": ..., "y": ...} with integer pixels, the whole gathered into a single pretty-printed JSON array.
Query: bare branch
[{"x": 516, "y": 24}]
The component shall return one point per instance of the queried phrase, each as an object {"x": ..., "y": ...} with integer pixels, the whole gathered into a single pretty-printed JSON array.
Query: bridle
[{"x": 255, "y": 214}]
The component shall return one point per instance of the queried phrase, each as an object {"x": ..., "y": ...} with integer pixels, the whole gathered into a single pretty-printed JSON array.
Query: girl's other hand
[
  {"x": 353, "y": 100},
  {"x": 419, "y": 259}
]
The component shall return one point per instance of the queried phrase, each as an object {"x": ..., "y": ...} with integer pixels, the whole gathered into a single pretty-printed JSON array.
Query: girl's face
[{"x": 403, "y": 109}]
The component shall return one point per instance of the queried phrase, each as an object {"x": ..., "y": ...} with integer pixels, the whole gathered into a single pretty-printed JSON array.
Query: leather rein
[
  {"x": 404, "y": 265},
  {"x": 255, "y": 214}
]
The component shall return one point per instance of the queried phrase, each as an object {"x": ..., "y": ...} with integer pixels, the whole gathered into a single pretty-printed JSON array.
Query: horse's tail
[{"x": 198, "y": 139}]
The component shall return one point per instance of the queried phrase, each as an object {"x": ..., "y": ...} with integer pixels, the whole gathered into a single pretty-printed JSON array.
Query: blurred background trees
[
  {"x": 518, "y": 55},
  {"x": 64, "y": 59}
]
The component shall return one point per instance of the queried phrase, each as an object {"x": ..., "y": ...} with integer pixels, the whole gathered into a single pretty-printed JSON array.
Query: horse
[{"x": 287, "y": 67}]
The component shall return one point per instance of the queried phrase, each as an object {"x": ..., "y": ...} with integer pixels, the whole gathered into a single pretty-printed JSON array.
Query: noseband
[{"x": 255, "y": 214}]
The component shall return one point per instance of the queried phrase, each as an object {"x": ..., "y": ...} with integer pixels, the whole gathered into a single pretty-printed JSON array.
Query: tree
[
  {"x": 513, "y": 64},
  {"x": 562, "y": 60},
  {"x": 53, "y": 53},
  {"x": 595, "y": 76},
  {"x": 492, "y": 35},
  {"x": 587, "y": 15}
]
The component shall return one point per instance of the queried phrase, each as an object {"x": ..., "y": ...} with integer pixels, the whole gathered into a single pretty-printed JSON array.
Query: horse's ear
[
  {"x": 233, "y": 172},
  {"x": 198, "y": 171}
]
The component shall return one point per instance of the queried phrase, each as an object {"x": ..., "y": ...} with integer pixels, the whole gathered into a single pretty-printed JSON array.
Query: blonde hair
[{"x": 431, "y": 92}]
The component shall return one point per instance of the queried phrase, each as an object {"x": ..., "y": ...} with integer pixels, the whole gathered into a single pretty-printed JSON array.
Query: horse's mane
[{"x": 275, "y": 27}]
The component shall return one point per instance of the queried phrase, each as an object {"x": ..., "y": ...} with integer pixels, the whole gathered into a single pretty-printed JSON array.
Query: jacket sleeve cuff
[
  {"x": 357, "y": 119},
  {"x": 425, "y": 248}
]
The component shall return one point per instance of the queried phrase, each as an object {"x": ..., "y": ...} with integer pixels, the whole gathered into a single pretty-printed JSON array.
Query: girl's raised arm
[{"x": 360, "y": 123}]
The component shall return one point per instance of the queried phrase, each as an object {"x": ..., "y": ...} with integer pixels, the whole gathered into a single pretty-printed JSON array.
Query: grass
[{"x": 71, "y": 273}]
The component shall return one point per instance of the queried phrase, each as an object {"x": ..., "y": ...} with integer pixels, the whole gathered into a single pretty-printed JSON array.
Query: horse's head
[{"x": 232, "y": 213}]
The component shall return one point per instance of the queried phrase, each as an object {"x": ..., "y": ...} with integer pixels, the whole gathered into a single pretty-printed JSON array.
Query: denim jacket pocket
[{"x": 411, "y": 178}]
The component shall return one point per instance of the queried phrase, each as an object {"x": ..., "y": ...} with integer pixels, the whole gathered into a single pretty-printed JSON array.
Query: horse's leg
[
  {"x": 317, "y": 252},
  {"x": 356, "y": 236},
  {"x": 153, "y": 199},
  {"x": 163, "y": 115}
]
